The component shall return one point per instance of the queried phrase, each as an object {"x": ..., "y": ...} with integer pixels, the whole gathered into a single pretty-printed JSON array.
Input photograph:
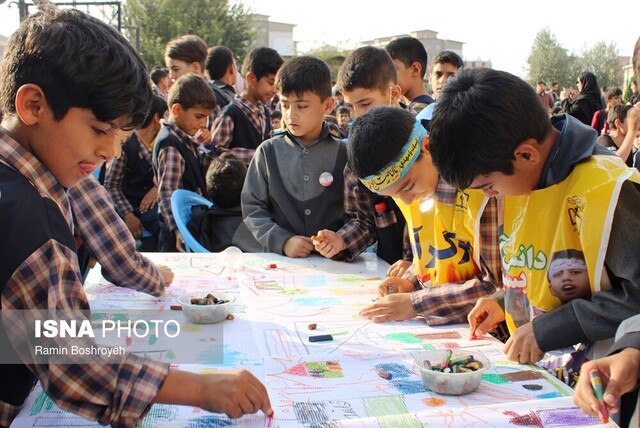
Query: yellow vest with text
[
  {"x": 576, "y": 213},
  {"x": 443, "y": 239}
]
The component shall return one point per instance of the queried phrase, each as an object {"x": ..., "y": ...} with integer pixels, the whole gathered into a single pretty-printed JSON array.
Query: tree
[
  {"x": 216, "y": 21},
  {"x": 332, "y": 55},
  {"x": 602, "y": 60},
  {"x": 548, "y": 61}
]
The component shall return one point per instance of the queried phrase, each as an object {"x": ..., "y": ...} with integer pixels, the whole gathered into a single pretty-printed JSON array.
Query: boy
[
  {"x": 176, "y": 155},
  {"x": 59, "y": 126},
  {"x": 245, "y": 122},
  {"x": 343, "y": 116},
  {"x": 294, "y": 185},
  {"x": 567, "y": 276},
  {"x": 445, "y": 65},
  {"x": 221, "y": 225},
  {"x": 276, "y": 121},
  {"x": 367, "y": 78},
  {"x": 549, "y": 169},
  {"x": 616, "y": 138},
  {"x": 410, "y": 58},
  {"x": 389, "y": 153},
  {"x": 129, "y": 178},
  {"x": 160, "y": 81},
  {"x": 221, "y": 66},
  {"x": 600, "y": 122}
]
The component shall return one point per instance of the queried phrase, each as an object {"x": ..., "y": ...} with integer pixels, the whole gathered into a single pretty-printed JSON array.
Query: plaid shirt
[
  {"x": 109, "y": 239},
  {"x": 359, "y": 231},
  {"x": 450, "y": 303},
  {"x": 114, "y": 178},
  {"x": 171, "y": 166},
  {"x": 118, "y": 394},
  {"x": 223, "y": 129}
]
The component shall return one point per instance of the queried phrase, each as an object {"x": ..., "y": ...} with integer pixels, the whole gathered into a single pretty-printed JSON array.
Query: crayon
[
  {"x": 313, "y": 326},
  {"x": 176, "y": 307},
  {"x": 231, "y": 317},
  {"x": 390, "y": 289},
  {"x": 596, "y": 384},
  {"x": 320, "y": 338},
  {"x": 447, "y": 359},
  {"x": 384, "y": 374}
]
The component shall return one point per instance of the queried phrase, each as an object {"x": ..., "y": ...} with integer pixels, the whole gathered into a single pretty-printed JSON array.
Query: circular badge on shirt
[{"x": 326, "y": 179}]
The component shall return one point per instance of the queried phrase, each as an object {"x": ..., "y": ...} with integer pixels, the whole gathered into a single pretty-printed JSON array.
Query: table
[{"x": 331, "y": 383}]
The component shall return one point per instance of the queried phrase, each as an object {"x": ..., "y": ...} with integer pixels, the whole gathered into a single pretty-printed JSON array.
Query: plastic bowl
[
  {"x": 205, "y": 314},
  {"x": 450, "y": 383}
]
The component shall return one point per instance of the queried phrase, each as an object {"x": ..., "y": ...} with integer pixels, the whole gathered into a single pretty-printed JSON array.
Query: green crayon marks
[
  {"x": 494, "y": 378},
  {"x": 403, "y": 338},
  {"x": 389, "y": 405}
]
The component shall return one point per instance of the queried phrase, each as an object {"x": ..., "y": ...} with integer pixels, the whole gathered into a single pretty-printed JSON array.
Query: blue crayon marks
[
  {"x": 400, "y": 378},
  {"x": 315, "y": 302},
  {"x": 211, "y": 421}
]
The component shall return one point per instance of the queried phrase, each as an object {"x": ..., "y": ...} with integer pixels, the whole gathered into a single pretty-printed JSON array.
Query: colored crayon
[{"x": 596, "y": 384}]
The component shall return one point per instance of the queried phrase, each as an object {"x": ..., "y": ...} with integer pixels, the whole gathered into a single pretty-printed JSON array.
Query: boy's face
[
  {"x": 264, "y": 88},
  {"x": 362, "y": 100},
  {"x": 192, "y": 119},
  {"x": 75, "y": 146},
  {"x": 419, "y": 182},
  {"x": 276, "y": 123},
  {"x": 164, "y": 84},
  {"x": 343, "y": 119},
  {"x": 440, "y": 73},
  {"x": 303, "y": 115},
  {"x": 405, "y": 75},
  {"x": 178, "y": 68},
  {"x": 570, "y": 284}
]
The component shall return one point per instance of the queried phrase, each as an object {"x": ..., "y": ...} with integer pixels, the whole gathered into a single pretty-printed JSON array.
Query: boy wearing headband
[
  {"x": 389, "y": 152},
  {"x": 567, "y": 275}
]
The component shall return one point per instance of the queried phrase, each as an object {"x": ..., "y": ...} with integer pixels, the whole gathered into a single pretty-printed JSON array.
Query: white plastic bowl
[
  {"x": 450, "y": 383},
  {"x": 205, "y": 314}
]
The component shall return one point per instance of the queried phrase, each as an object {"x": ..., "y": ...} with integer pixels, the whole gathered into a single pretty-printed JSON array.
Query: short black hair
[
  {"x": 158, "y": 73},
  {"x": 262, "y": 62},
  {"x": 276, "y": 114},
  {"x": 188, "y": 48},
  {"x": 304, "y": 74},
  {"x": 618, "y": 112},
  {"x": 449, "y": 57},
  {"x": 344, "y": 109},
  {"x": 190, "y": 91},
  {"x": 224, "y": 179},
  {"x": 612, "y": 92},
  {"x": 376, "y": 138},
  {"x": 367, "y": 67},
  {"x": 158, "y": 106},
  {"x": 482, "y": 115},
  {"x": 77, "y": 61},
  {"x": 219, "y": 58},
  {"x": 408, "y": 50}
]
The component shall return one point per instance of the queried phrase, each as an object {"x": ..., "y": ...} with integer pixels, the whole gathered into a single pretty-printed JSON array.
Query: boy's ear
[
  {"x": 396, "y": 93},
  {"x": 176, "y": 109},
  {"x": 416, "y": 68},
  {"x": 250, "y": 78},
  {"x": 426, "y": 144},
  {"x": 528, "y": 152},
  {"x": 30, "y": 103},
  {"x": 328, "y": 104},
  {"x": 197, "y": 68}
]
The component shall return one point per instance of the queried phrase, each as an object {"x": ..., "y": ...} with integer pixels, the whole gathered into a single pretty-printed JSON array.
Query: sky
[{"x": 496, "y": 30}]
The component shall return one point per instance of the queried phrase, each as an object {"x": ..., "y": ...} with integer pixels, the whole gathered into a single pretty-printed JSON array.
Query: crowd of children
[{"x": 295, "y": 165}]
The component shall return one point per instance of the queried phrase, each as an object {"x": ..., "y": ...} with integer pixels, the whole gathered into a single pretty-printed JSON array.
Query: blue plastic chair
[{"x": 181, "y": 202}]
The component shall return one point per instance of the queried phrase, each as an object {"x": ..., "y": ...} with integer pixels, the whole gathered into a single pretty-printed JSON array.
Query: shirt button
[
  {"x": 305, "y": 151},
  {"x": 306, "y": 178},
  {"x": 307, "y": 212}
]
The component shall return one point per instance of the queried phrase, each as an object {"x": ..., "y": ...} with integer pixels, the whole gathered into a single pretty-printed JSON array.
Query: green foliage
[
  {"x": 549, "y": 62},
  {"x": 215, "y": 21},
  {"x": 628, "y": 92},
  {"x": 333, "y": 56}
]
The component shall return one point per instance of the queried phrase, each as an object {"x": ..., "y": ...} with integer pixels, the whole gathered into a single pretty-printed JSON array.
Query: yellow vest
[
  {"x": 443, "y": 239},
  {"x": 575, "y": 214}
]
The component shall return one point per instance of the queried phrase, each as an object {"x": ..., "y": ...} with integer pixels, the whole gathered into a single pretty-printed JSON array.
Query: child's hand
[
  {"x": 167, "y": 274},
  {"x": 485, "y": 316},
  {"x": 234, "y": 392},
  {"x": 179, "y": 242},
  {"x": 395, "y": 285},
  {"x": 328, "y": 243},
  {"x": 297, "y": 246},
  {"x": 398, "y": 268},
  {"x": 203, "y": 136},
  {"x": 619, "y": 374},
  {"x": 133, "y": 224},
  {"x": 149, "y": 200},
  {"x": 394, "y": 307},
  {"x": 522, "y": 345}
]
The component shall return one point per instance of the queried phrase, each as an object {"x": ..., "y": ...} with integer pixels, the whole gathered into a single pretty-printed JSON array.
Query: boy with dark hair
[
  {"x": 130, "y": 180},
  {"x": 616, "y": 140},
  {"x": 548, "y": 169},
  {"x": 410, "y": 58},
  {"x": 612, "y": 97},
  {"x": 389, "y": 152},
  {"x": 445, "y": 65},
  {"x": 221, "y": 225},
  {"x": 176, "y": 155},
  {"x": 367, "y": 78},
  {"x": 59, "y": 126},
  {"x": 343, "y": 117},
  {"x": 221, "y": 66},
  {"x": 160, "y": 81},
  {"x": 245, "y": 122},
  {"x": 294, "y": 185},
  {"x": 185, "y": 54}
]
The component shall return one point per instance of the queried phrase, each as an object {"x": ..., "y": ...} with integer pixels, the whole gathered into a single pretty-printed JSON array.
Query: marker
[
  {"x": 596, "y": 384},
  {"x": 320, "y": 338}
]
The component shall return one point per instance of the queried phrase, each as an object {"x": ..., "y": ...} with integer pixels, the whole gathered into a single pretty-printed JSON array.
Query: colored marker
[
  {"x": 320, "y": 338},
  {"x": 596, "y": 384}
]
